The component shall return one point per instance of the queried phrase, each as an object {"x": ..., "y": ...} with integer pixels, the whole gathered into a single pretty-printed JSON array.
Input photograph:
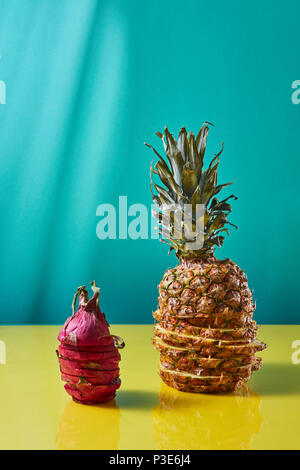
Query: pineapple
[{"x": 204, "y": 329}]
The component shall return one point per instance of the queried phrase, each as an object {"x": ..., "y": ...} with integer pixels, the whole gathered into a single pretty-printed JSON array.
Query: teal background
[{"x": 87, "y": 83}]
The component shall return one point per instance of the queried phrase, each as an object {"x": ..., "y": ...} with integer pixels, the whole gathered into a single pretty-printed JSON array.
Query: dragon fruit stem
[
  {"x": 96, "y": 290},
  {"x": 80, "y": 291}
]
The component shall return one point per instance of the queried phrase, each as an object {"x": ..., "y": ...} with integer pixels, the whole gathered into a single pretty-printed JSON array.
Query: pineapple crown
[{"x": 189, "y": 187}]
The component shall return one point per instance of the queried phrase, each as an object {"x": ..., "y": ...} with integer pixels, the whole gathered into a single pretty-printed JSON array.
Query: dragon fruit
[{"x": 88, "y": 354}]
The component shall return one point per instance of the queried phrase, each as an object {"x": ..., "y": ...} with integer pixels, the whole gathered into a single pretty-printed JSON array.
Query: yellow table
[{"x": 36, "y": 412}]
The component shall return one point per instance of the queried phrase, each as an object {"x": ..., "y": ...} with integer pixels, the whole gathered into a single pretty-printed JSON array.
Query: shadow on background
[
  {"x": 137, "y": 399},
  {"x": 277, "y": 379}
]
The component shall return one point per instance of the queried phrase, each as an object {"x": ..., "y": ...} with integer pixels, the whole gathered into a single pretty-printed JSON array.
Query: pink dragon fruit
[
  {"x": 84, "y": 356},
  {"x": 88, "y": 354}
]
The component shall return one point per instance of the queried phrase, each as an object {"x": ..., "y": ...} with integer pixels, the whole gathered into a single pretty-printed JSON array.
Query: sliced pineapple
[
  {"x": 210, "y": 348},
  {"x": 183, "y": 326},
  {"x": 205, "y": 306}
]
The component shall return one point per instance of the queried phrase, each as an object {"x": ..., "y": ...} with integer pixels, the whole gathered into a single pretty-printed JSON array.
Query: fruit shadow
[
  {"x": 276, "y": 379},
  {"x": 137, "y": 399}
]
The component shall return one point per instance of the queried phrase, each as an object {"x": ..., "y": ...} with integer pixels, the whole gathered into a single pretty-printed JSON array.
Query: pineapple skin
[
  {"x": 206, "y": 289},
  {"x": 206, "y": 310}
]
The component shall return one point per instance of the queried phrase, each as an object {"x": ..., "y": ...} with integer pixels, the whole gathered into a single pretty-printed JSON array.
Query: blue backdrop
[{"x": 87, "y": 82}]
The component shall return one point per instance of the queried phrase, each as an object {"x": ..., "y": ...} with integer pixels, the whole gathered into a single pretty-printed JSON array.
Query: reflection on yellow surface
[
  {"x": 89, "y": 427},
  {"x": 197, "y": 421},
  {"x": 44, "y": 417}
]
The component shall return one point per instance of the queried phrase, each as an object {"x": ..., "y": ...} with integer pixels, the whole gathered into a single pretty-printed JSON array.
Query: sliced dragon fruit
[
  {"x": 106, "y": 378},
  {"x": 88, "y": 353},
  {"x": 80, "y": 397},
  {"x": 88, "y": 356},
  {"x": 91, "y": 390},
  {"x": 67, "y": 365},
  {"x": 101, "y": 348}
]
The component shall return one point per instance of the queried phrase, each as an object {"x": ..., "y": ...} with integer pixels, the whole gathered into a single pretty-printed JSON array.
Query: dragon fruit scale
[{"x": 88, "y": 354}]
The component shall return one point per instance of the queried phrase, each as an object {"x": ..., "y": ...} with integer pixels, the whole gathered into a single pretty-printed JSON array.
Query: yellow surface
[{"x": 36, "y": 412}]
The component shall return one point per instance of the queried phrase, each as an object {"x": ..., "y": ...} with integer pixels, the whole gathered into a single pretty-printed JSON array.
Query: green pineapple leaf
[{"x": 187, "y": 185}]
